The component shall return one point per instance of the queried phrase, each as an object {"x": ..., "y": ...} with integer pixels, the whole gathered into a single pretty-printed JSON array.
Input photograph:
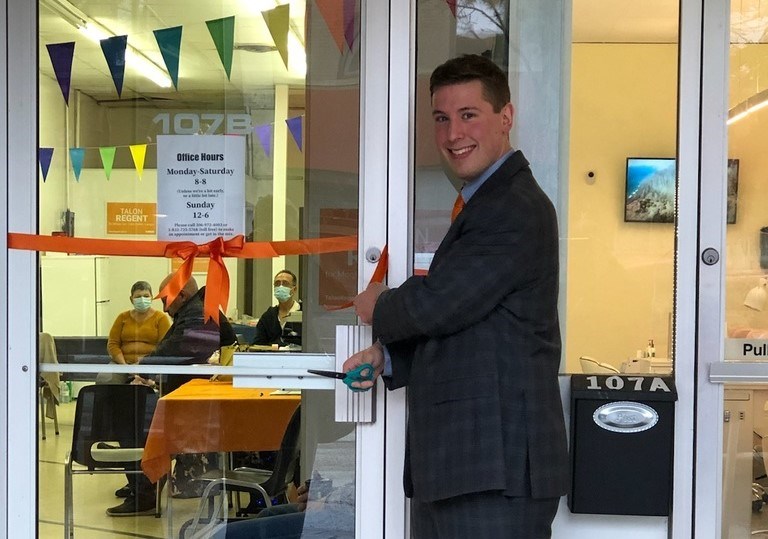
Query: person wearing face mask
[
  {"x": 275, "y": 325},
  {"x": 135, "y": 333}
]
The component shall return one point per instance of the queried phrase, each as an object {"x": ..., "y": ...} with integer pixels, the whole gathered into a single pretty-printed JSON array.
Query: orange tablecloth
[{"x": 203, "y": 416}]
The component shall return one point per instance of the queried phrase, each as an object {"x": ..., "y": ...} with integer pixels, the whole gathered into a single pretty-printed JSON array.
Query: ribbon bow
[{"x": 217, "y": 281}]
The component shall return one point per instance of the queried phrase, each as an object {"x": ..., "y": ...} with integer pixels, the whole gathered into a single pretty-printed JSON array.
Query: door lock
[
  {"x": 710, "y": 256},
  {"x": 372, "y": 255}
]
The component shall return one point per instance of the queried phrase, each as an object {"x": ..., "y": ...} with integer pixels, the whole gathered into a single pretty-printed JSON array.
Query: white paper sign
[
  {"x": 746, "y": 349},
  {"x": 200, "y": 187}
]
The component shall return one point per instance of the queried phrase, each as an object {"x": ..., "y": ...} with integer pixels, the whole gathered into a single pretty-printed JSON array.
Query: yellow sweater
[{"x": 136, "y": 340}]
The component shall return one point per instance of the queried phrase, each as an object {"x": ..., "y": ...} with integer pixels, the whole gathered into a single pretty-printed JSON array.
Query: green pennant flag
[
  {"x": 169, "y": 41},
  {"x": 278, "y": 21},
  {"x": 107, "y": 158},
  {"x": 223, "y": 34}
]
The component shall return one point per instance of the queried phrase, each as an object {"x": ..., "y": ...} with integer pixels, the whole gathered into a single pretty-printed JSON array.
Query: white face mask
[{"x": 142, "y": 304}]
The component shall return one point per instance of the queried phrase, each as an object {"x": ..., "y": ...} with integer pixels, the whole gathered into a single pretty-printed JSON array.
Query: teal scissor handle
[{"x": 361, "y": 373}]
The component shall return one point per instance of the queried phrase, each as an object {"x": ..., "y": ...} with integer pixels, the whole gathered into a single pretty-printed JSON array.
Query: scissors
[{"x": 361, "y": 373}]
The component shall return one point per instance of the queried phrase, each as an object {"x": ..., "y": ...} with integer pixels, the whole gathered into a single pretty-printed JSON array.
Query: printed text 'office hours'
[{"x": 200, "y": 187}]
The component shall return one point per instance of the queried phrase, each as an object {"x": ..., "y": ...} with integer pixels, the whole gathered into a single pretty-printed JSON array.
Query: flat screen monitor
[{"x": 650, "y": 190}]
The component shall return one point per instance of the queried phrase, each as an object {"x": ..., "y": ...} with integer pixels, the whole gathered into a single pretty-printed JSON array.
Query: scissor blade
[{"x": 328, "y": 374}]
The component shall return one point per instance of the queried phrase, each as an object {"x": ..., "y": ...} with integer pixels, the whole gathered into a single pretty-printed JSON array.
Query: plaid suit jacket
[{"x": 477, "y": 342}]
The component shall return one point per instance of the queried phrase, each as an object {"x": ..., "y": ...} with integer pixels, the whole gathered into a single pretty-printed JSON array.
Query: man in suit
[{"x": 477, "y": 339}]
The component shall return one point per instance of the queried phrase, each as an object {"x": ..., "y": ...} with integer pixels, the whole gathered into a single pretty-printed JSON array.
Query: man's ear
[{"x": 508, "y": 116}]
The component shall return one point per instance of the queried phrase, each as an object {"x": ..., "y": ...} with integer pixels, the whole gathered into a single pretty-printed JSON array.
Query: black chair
[
  {"x": 117, "y": 415},
  {"x": 267, "y": 486}
]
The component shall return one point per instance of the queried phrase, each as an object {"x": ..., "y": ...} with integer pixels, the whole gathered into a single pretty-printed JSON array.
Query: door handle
[{"x": 351, "y": 406}]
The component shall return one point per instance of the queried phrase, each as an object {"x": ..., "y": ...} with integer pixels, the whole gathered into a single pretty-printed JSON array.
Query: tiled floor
[{"x": 93, "y": 494}]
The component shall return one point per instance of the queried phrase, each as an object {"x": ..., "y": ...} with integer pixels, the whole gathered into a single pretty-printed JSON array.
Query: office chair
[
  {"x": 48, "y": 383},
  {"x": 590, "y": 365},
  {"x": 113, "y": 414},
  {"x": 264, "y": 485}
]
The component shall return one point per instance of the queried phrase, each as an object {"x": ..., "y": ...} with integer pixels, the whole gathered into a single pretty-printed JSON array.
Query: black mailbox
[{"x": 622, "y": 428}]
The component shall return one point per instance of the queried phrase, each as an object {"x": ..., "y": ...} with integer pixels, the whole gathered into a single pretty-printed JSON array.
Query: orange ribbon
[
  {"x": 378, "y": 277},
  {"x": 217, "y": 281}
]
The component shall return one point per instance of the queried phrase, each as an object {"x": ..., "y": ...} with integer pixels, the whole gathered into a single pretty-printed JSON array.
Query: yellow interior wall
[{"x": 620, "y": 275}]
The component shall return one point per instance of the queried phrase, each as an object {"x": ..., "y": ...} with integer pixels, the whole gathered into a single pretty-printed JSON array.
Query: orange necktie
[{"x": 457, "y": 207}]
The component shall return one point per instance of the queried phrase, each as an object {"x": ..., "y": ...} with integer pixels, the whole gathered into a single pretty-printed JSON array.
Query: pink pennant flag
[
  {"x": 334, "y": 19},
  {"x": 264, "y": 132}
]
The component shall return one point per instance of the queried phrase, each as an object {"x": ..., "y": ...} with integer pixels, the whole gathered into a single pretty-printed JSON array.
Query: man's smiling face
[{"x": 469, "y": 134}]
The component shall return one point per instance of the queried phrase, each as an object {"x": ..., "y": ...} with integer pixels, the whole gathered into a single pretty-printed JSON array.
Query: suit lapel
[{"x": 506, "y": 171}]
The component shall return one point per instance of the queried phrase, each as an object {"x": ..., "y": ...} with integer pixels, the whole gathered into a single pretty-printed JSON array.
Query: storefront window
[
  {"x": 608, "y": 164},
  {"x": 170, "y": 122},
  {"x": 621, "y": 188},
  {"x": 745, "y": 427}
]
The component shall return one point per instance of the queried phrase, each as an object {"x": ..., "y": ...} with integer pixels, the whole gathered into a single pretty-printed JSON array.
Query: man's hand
[
  {"x": 366, "y": 301},
  {"x": 373, "y": 355}
]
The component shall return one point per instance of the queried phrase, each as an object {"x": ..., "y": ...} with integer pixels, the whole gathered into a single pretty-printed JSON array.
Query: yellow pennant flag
[
  {"x": 277, "y": 20},
  {"x": 138, "y": 152}
]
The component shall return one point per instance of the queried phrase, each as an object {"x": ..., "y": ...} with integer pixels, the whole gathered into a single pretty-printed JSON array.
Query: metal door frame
[{"x": 378, "y": 478}]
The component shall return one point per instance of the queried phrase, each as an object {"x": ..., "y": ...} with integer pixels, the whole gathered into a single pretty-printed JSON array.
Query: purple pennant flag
[
  {"x": 294, "y": 126},
  {"x": 349, "y": 21},
  {"x": 114, "y": 53},
  {"x": 264, "y": 133},
  {"x": 61, "y": 57},
  {"x": 44, "y": 155}
]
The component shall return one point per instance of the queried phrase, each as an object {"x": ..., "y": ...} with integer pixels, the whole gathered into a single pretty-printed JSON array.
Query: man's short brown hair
[{"x": 471, "y": 67}]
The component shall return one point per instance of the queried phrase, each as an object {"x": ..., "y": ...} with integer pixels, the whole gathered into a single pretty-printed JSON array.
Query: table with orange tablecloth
[{"x": 203, "y": 416}]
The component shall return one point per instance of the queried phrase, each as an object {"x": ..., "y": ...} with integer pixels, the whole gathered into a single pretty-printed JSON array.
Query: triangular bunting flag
[
  {"x": 107, "y": 159},
  {"x": 264, "y": 132},
  {"x": 61, "y": 57},
  {"x": 76, "y": 156},
  {"x": 294, "y": 126},
  {"x": 114, "y": 53},
  {"x": 334, "y": 19},
  {"x": 278, "y": 20},
  {"x": 169, "y": 41},
  {"x": 349, "y": 21},
  {"x": 138, "y": 152},
  {"x": 223, "y": 34},
  {"x": 44, "y": 155},
  {"x": 452, "y": 5}
]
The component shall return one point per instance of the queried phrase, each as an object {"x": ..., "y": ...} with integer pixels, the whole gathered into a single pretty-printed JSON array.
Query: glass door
[
  {"x": 739, "y": 183},
  {"x": 161, "y": 129}
]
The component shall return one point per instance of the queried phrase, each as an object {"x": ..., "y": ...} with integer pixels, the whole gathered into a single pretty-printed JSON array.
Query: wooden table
[{"x": 203, "y": 416}]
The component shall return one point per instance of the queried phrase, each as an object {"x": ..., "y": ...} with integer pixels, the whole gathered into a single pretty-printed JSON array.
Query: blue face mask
[
  {"x": 282, "y": 293},
  {"x": 142, "y": 304}
]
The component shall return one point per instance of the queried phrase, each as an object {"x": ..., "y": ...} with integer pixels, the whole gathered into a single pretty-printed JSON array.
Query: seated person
[
  {"x": 275, "y": 326},
  {"x": 189, "y": 340},
  {"x": 135, "y": 333},
  {"x": 318, "y": 514}
]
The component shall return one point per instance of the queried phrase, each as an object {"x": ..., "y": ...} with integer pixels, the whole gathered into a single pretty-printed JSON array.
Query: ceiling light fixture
[
  {"x": 96, "y": 32},
  {"x": 748, "y": 106}
]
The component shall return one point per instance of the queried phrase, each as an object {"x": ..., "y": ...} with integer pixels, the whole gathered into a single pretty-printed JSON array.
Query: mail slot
[{"x": 622, "y": 428}]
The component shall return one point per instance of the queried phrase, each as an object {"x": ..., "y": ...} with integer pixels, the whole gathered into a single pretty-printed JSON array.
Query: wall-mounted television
[{"x": 650, "y": 190}]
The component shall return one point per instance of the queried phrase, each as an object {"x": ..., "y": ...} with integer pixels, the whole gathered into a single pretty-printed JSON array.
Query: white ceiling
[{"x": 202, "y": 79}]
